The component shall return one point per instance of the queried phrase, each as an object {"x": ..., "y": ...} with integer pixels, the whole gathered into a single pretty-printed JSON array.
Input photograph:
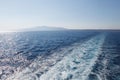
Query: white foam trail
[{"x": 76, "y": 65}]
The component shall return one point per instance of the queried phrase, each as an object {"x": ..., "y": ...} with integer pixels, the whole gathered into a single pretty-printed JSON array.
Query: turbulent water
[{"x": 60, "y": 55}]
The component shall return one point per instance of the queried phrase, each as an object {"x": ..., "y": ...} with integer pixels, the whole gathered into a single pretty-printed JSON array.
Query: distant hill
[{"x": 43, "y": 28}]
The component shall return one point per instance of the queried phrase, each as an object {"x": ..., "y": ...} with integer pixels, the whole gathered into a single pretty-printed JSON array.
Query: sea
[{"x": 60, "y": 55}]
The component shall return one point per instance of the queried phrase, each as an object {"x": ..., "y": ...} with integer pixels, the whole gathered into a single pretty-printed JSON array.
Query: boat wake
[{"x": 74, "y": 62}]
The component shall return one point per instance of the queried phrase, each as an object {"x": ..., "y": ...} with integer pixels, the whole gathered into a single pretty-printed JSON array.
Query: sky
[{"x": 73, "y": 14}]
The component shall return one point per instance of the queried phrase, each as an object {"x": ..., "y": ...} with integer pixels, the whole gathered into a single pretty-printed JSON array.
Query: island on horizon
[{"x": 44, "y": 28}]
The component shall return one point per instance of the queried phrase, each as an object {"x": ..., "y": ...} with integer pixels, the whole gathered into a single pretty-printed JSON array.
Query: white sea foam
[{"x": 75, "y": 65}]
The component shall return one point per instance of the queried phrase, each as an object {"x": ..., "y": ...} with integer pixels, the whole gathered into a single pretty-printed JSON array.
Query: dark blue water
[
  {"x": 18, "y": 50},
  {"x": 32, "y": 44},
  {"x": 108, "y": 64}
]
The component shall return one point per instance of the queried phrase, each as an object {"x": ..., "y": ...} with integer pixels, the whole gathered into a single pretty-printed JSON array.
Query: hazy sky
[{"x": 15, "y": 14}]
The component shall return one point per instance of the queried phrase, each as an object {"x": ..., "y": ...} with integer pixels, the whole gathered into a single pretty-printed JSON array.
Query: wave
[{"x": 73, "y": 62}]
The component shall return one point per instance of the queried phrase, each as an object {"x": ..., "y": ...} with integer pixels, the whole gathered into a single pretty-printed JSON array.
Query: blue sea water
[
  {"x": 108, "y": 64},
  {"x": 31, "y": 44},
  {"x": 20, "y": 50}
]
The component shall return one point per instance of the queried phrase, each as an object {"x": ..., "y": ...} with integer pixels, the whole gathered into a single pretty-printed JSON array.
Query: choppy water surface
[
  {"x": 60, "y": 55},
  {"x": 107, "y": 66}
]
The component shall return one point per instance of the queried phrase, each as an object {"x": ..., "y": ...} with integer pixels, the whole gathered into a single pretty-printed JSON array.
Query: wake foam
[{"x": 72, "y": 63}]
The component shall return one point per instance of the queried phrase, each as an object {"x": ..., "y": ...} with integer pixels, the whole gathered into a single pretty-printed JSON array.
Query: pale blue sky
[{"x": 65, "y": 13}]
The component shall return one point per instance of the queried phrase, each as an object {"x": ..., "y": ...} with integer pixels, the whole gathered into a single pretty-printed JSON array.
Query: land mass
[{"x": 44, "y": 28}]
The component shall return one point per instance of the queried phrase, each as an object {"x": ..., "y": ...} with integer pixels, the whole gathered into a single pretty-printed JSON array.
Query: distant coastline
[
  {"x": 51, "y": 28},
  {"x": 43, "y": 28}
]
